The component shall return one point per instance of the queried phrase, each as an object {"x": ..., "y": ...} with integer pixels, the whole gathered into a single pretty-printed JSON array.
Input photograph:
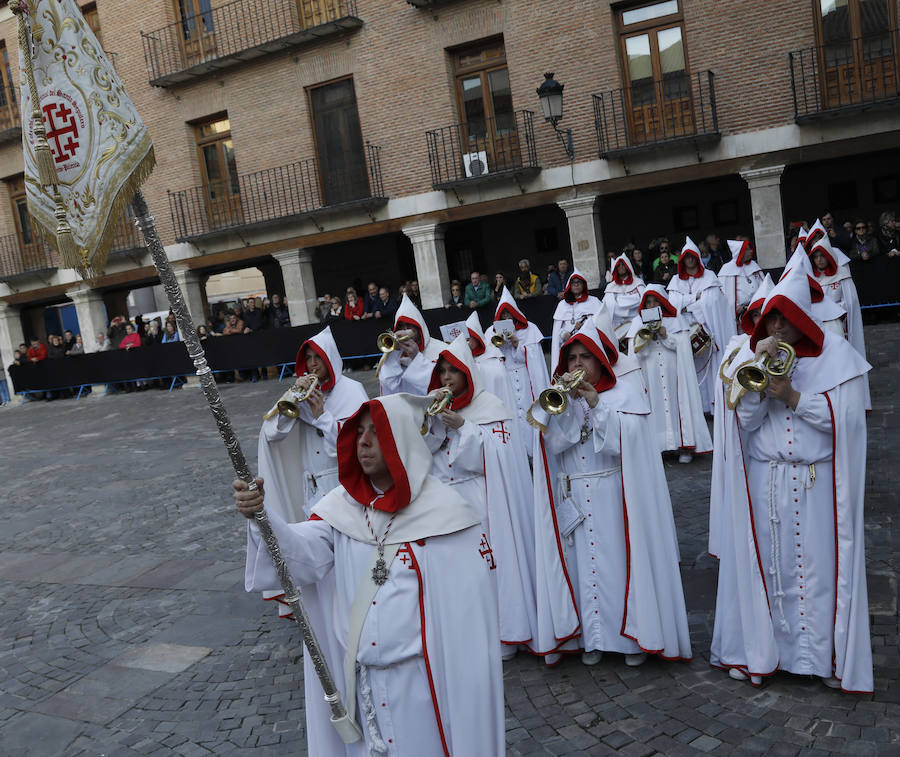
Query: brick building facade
[{"x": 330, "y": 142}]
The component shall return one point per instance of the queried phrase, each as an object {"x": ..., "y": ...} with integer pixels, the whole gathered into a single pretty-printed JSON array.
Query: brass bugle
[
  {"x": 288, "y": 405},
  {"x": 437, "y": 406},
  {"x": 387, "y": 342},
  {"x": 645, "y": 335},
  {"x": 555, "y": 399},
  {"x": 754, "y": 377},
  {"x": 498, "y": 340}
]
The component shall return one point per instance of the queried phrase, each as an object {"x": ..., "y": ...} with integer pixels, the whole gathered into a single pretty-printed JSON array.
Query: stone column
[
  {"x": 91, "y": 314},
  {"x": 586, "y": 237},
  {"x": 299, "y": 285},
  {"x": 768, "y": 215},
  {"x": 11, "y": 337},
  {"x": 192, "y": 285},
  {"x": 431, "y": 263}
]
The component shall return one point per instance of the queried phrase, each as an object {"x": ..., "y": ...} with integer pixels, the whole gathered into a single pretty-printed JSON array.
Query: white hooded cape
[
  {"x": 571, "y": 313},
  {"x": 433, "y": 625},
  {"x": 623, "y": 296},
  {"x": 622, "y": 469},
  {"x": 489, "y": 447},
  {"x": 740, "y": 277},
  {"x": 744, "y": 631}
]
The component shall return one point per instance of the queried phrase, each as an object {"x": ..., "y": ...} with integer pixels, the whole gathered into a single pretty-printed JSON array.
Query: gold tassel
[
  {"x": 43, "y": 155},
  {"x": 65, "y": 240}
]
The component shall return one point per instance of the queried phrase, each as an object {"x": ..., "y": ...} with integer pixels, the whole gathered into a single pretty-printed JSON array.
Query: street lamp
[{"x": 551, "y": 94}]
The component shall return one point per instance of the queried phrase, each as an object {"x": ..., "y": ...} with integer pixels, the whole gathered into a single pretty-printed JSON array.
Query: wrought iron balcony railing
[
  {"x": 284, "y": 193},
  {"x": 127, "y": 238},
  {"x": 228, "y": 35},
  {"x": 656, "y": 114},
  {"x": 482, "y": 150},
  {"x": 10, "y": 121},
  {"x": 17, "y": 258},
  {"x": 846, "y": 77}
]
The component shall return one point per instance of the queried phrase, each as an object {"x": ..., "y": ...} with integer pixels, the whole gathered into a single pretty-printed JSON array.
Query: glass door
[
  {"x": 198, "y": 41},
  {"x": 221, "y": 185}
]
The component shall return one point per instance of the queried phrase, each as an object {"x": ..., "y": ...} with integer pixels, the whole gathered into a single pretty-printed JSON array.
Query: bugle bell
[
  {"x": 440, "y": 403},
  {"x": 289, "y": 404},
  {"x": 387, "y": 342},
  {"x": 555, "y": 399},
  {"x": 498, "y": 340},
  {"x": 645, "y": 335},
  {"x": 754, "y": 377}
]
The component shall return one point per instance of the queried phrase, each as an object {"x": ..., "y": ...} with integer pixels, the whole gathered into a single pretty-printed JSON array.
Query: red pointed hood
[
  {"x": 741, "y": 251},
  {"x": 791, "y": 298},
  {"x": 659, "y": 291},
  {"x": 834, "y": 257},
  {"x": 589, "y": 336},
  {"x": 324, "y": 346},
  {"x": 690, "y": 249},
  {"x": 507, "y": 308},
  {"x": 800, "y": 261},
  {"x": 409, "y": 315},
  {"x": 473, "y": 326},
  {"x": 603, "y": 323},
  {"x": 629, "y": 277},
  {"x": 756, "y": 302},
  {"x": 567, "y": 295},
  {"x": 397, "y": 419}
]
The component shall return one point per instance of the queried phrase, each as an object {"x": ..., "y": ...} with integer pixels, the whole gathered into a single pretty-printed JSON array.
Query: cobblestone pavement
[{"x": 126, "y": 630}]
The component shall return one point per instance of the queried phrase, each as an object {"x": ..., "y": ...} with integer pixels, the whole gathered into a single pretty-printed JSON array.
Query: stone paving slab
[{"x": 126, "y": 630}]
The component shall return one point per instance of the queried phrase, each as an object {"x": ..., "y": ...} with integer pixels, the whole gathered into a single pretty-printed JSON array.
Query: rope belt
[
  {"x": 565, "y": 479},
  {"x": 365, "y": 690}
]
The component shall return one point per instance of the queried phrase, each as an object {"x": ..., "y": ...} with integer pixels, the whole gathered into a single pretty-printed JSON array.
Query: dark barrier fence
[
  {"x": 355, "y": 339},
  {"x": 876, "y": 281}
]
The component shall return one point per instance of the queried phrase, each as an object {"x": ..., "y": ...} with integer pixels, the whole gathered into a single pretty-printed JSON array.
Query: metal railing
[
  {"x": 481, "y": 149},
  {"x": 17, "y": 258},
  {"x": 127, "y": 238},
  {"x": 849, "y": 76},
  {"x": 9, "y": 110},
  {"x": 273, "y": 194},
  {"x": 232, "y": 30},
  {"x": 646, "y": 116}
]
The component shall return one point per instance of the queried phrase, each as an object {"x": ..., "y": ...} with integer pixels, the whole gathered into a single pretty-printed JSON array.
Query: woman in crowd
[
  {"x": 171, "y": 333},
  {"x": 499, "y": 286},
  {"x": 131, "y": 339},
  {"x": 354, "y": 309},
  {"x": 456, "y": 296},
  {"x": 335, "y": 313}
]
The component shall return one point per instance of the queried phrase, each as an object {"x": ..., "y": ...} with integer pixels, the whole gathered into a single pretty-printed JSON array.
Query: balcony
[
  {"x": 490, "y": 149},
  {"x": 845, "y": 78},
  {"x": 127, "y": 240},
  {"x": 656, "y": 115},
  {"x": 288, "y": 193},
  {"x": 227, "y": 36},
  {"x": 18, "y": 260},
  {"x": 10, "y": 122}
]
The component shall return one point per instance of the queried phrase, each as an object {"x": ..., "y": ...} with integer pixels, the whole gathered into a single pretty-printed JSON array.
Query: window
[
  {"x": 858, "y": 58},
  {"x": 28, "y": 244},
  {"x": 658, "y": 92},
  {"x": 9, "y": 113},
  {"x": 485, "y": 105},
  {"x": 90, "y": 14},
  {"x": 197, "y": 33},
  {"x": 215, "y": 152},
  {"x": 339, "y": 144}
]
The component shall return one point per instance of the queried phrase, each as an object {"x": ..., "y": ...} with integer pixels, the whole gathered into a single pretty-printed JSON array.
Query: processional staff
[{"x": 78, "y": 189}]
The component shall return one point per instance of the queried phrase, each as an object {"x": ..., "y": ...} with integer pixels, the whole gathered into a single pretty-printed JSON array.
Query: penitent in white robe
[
  {"x": 676, "y": 410},
  {"x": 628, "y": 582},
  {"x": 403, "y": 374}
]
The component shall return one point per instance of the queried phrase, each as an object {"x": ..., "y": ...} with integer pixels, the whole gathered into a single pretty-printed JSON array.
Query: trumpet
[
  {"x": 645, "y": 335},
  {"x": 754, "y": 377},
  {"x": 288, "y": 405},
  {"x": 555, "y": 399},
  {"x": 437, "y": 406},
  {"x": 387, "y": 342}
]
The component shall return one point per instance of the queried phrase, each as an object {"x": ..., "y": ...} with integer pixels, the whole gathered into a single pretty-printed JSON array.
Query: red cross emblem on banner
[
  {"x": 405, "y": 556},
  {"x": 455, "y": 332},
  {"x": 487, "y": 554},
  {"x": 500, "y": 429},
  {"x": 62, "y": 130}
]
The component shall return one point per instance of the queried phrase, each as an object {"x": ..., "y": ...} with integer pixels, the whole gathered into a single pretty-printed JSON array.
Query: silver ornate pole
[{"x": 347, "y": 728}]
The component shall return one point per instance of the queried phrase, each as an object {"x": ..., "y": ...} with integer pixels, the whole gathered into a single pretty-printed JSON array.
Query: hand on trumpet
[
  {"x": 409, "y": 347},
  {"x": 583, "y": 389},
  {"x": 767, "y": 346},
  {"x": 450, "y": 418},
  {"x": 782, "y": 390},
  {"x": 661, "y": 332}
]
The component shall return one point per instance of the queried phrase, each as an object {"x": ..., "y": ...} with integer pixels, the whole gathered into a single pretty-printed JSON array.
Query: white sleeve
[
  {"x": 391, "y": 373},
  {"x": 307, "y": 549},
  {"x": 467, "y": 448},
  {"x": 751, "y": 410},
  {"x": 417, "y": 375},
  {"x": 563, "y": 431},
  {"x": 606, "y": 429},
  {"x": 328, "y": 425},
  {"x": 813, "y": 409},
  {"x": 278, "y": 427}
]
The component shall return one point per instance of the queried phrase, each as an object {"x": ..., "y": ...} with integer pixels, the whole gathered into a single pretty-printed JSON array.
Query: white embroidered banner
[{"x": 101, "y": 150}]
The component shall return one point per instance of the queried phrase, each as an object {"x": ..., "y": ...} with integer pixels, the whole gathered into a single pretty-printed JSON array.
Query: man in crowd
[
  {"x": 558, "y": 278},
  {"x": 527, "y": 284},
  {"x": 478, "y": 292},
  {"x": 385, "y": 306},
  {"x": 278, "y": 313},
  {"x": 253, "y": 317},
  {"x": 370, "y": 298},
  {"x": 412, "y": 641},
  {"x": 37, "y": 351},
  {"x": 889, "y": 233},
  {"x": 792, "y": 572},
  {"x": 837, "y": 235},
  {"x": 234, "y": 326},
  {"x": 719, "y": 253}
]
